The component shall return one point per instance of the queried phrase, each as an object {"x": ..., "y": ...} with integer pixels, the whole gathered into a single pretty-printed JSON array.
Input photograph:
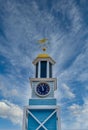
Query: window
[{"x": 43, "y": 69}]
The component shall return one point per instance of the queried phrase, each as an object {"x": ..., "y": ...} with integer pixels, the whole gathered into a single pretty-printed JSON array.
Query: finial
[{"x": 43, "y": 43}]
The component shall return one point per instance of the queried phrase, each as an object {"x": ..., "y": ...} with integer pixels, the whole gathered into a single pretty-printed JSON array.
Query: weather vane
[{"x": 43, "y": 44}]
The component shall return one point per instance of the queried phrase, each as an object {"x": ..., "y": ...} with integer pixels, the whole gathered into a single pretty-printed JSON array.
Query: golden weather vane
[{"x": 43, "y": 43}]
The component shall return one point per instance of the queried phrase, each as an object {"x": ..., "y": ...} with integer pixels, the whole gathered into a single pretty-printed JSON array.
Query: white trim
[
  {"x": 39, "y": 79},
  {"x": 47, "y": 69},
  {"x": 44, "y": 59},
  {"x": 44, "y": 80},
  {"x": 24, "y": 127},
  {"x": 59, "y": 120},
  {"x": 39, "y": 70},
  {"x": 42, "y": 107}
]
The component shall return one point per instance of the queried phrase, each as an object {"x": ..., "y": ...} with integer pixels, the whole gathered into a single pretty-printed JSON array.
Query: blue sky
[{"x": 65, "y": 24}]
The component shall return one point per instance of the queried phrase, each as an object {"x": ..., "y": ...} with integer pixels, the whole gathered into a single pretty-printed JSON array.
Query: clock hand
[{"x": 42, "y": 88}]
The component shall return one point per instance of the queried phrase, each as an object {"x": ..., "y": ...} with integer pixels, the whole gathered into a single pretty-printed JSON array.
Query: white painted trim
[
  {"x": 47, "y": 69},
  {"x": 42, "y": 107},
  {"x": 39, "y": 70},
  {"x": 44, "y": 80},
  {"x": 44, "y": 59},
  {"x": 24, "y": 127},
  {"x": 59, "y": 119},
  {"x": 39, "y": 79}
]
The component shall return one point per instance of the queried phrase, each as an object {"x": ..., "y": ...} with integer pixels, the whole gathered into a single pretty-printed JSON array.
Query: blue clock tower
[{"x": 42, "y": 113}]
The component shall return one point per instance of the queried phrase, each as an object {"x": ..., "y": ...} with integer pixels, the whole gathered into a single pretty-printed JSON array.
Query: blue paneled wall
[
  {"x": 42, "y": 101},
  {"x": 42, "y": 114}
]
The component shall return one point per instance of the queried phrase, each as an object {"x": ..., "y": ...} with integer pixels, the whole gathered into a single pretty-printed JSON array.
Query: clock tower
[{"x": 42, "y": 113}]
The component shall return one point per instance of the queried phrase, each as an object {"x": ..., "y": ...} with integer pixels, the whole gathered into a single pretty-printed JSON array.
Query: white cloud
[
  {"x": 67, "y": 91},
  {"x": 11, "y": 111},
  {"x": 80, "y": 114}
]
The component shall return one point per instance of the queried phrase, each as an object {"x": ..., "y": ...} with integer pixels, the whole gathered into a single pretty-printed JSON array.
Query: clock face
[{"x": 42, "y": 89}]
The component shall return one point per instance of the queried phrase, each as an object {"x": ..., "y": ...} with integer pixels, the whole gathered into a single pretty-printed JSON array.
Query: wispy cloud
[
  {"x": 80, "y": 113},
  {"x": 23, "y": 23},
  {"x": 67, "y": 92},
  {"x": 11, "y": 89},
  {"x": 7, "y": 89},
  {"x": 64, "y": 92}
]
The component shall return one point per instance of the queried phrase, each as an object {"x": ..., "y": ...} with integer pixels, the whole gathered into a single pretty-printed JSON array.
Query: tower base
[{"x": 41, "y": 117}]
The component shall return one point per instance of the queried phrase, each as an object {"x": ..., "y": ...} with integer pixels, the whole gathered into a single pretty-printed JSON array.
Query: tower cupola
[{"x": 43, "y": 66}]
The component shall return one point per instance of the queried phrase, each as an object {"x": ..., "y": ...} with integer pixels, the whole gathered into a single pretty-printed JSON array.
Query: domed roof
[{"x": 43, "y": 56}]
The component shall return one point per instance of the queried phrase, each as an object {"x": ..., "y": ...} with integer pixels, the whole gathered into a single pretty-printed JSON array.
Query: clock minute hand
[{"x": 42, "y": 88}]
